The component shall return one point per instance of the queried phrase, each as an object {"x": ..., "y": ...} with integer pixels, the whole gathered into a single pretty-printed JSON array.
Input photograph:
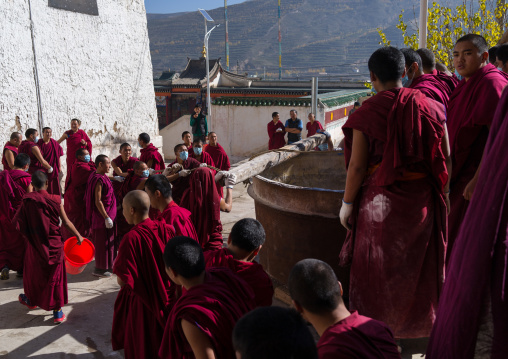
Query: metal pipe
[
  {"x": 422, "y": 43},
  {"x": 314, "y": 97}
]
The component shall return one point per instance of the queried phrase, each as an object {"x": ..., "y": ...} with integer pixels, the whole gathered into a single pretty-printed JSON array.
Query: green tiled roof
[{"x": 341, "y": 99}]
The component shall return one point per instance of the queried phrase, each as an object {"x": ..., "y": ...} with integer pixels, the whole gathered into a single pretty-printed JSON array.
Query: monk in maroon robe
[
  {"x": 75, "y": 188},
  {"x": 11, "y": 151},
  {"x": 219, "y": 156},
  {"x": 202, "y": 200},
  {"x": 51, "y": 151},
  {"x": 317, "y": 295},
  {"x": 396, "y": 150},
  {"x": 14, "y": 184},
  {"x": 150, "y": 154},
  {"x": 205, "y": 315},
  {"x": 135, "y": 180},
  {"x": 100, "y": 205},
  {"x": 44, "y": 276},
  {"x": 470, "y": 115},
  {"x": 437, "y": 86},
  {"x": 146, "y": 293},
  {"x": 244, "y": 243},
  {"x": 75, "y": 139},
  {"x": 29, "y": 146},
  {"x": 196, "y": 152},
  {"x": 276, "y": 132},
  {"x": 179, "y": 171},
  {"x": 159, "y": 191},
  {"x": 472, "y": 318}
]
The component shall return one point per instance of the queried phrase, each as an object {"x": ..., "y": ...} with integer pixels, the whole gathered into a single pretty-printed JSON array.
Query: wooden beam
[{"x": 250, "y": 168}]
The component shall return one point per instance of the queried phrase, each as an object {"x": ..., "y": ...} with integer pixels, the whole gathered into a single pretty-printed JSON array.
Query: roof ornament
[{"x": 204, "y": 52}]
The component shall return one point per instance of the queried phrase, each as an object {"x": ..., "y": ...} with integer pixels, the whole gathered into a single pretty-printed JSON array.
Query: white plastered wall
[{"x": 95, "y": 68}]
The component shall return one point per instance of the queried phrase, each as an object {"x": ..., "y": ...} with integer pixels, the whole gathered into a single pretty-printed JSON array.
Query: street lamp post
[
  {"x": 208, "y": 99},
  {"x": 207, "y": 35}
]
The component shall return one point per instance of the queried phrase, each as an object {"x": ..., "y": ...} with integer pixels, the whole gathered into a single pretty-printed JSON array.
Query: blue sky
[{"x": 170, "y": 6}]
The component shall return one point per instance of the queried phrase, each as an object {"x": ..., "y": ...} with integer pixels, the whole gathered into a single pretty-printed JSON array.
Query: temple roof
[{"x": 195, "y": 73}]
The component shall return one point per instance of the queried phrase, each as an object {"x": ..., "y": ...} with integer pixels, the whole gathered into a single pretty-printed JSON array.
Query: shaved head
[
  {"x": 139, "y": 165},
  {"x": 137, "y": 200},
  {"x": 15, "y": 135}
]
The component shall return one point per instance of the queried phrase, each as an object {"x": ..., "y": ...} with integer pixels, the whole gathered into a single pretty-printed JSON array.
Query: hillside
[{"x": 315, "y": 34}]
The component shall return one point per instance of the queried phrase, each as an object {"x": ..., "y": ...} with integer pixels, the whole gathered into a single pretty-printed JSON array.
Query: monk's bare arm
[
  {"x": 30, "y": 188},
  {"x": 149, "y": 163},
  {"x": 357, "y": 166},
  {"x": 173, "y": 177},
  {"x": 141, "y": 185},
  {"x": 117, "y": 169},
  {"x": 98, "y": 202},
  {"x": 9, "y": 157},
  {"x": 69, "y": 225},
  {"x": 37, "y": 152},
  {"x": 119, "y": 281},
  {"x": 226, "y": 204},
  {"x": 199, "y": 342},
  {"x": 445, "y": 148},
  {"x": 63, "y": 138}
]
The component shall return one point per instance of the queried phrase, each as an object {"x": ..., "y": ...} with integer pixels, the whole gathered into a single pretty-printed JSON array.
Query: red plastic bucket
[{"x": 78, "y": 256}]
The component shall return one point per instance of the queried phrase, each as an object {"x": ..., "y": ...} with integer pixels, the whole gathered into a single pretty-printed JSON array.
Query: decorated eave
[
  {"x": 332, "y": 99},
  {"x": 256, "y": 101}
]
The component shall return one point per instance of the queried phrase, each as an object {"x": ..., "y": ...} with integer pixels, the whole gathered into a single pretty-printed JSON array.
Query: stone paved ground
[{"x": 87, "y": 331}]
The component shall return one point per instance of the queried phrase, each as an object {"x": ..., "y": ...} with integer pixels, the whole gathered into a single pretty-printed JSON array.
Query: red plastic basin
[{"x": 78, "y": 256}]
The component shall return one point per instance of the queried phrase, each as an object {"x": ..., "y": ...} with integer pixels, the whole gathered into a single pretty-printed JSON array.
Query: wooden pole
[{"x": 247, "y": 169}]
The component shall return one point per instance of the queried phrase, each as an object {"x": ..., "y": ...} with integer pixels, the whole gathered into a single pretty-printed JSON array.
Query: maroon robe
[
  {"x": 13, "y": 186},
  {"x": 437, "y": 86},
  {"x": 73, "y": 142},
  {"x": 124, "y": 167},
  {"x": 51, "y": 152},
  {"x": 182, "y": 183},
  {"x": 471, "y": 110},
  {"x": 26, "y": 147},
  {"x": 44, "y": 276},
  {"x": 205, "y": 158},
  {"x": 221, "y": 160},
  {"x": 313, "y": 128},
  {"x": 214, "y": 306},
  {"x": 130, "y": 183},
  {"x": 102, "y": 237},
  {"x": 152, "y": 153},
  {"x": 180, "y": 218},
  {"x": 478, "y": 266},
  {"x": 8, "y": 147},
  {"x": 146, "y": 298},
  {"x": 75, "y": 188},
  {"x": 357, "y": 337},
  {"x": 203, "y": 201},
  {"x": 276, "y": 139},
  {"x": 399, "y": 217},
  {"x": 251, "y": 272}
]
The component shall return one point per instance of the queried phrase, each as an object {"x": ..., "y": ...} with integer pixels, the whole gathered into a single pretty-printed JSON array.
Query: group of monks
[
  {"x": 424, "y": 205},
  {"x": 415, "y": 155}
]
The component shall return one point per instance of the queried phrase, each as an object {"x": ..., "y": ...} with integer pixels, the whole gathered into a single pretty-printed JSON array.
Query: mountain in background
[{"x": 332, "y": 36}]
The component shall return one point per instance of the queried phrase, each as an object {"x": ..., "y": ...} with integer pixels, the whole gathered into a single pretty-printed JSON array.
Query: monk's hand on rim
[
  {"x": 80, "y": 240},
  {"x": 468, "y": 191},
  {"x": 345, "y": 213}
]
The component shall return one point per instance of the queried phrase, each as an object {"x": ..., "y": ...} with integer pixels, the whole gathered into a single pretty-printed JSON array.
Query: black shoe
[{"x": 4, "y": 275}]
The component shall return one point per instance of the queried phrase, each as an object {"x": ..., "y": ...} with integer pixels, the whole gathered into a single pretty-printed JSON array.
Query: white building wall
[{"x": 95, "y": 68}]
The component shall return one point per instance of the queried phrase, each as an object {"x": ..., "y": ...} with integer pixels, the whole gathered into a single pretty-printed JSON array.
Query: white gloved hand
[
  {"x": 219, "y": 175},
  {"x": 167, "y": 171},
  {"x": 176, "y": 167},
  {"x": 184, "y": 173},
  {"x": 151, "y": 171},
  {"x": 230, "y": 180},
  {"x": 278, "y": 130},
  {"x": 109, "y": 223},
  {"x": 345, "y": 212},
  {"x": 203, "y": 165},
  {"x": 119, "y": 178},
  {"x": 50, "y": 170}
]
